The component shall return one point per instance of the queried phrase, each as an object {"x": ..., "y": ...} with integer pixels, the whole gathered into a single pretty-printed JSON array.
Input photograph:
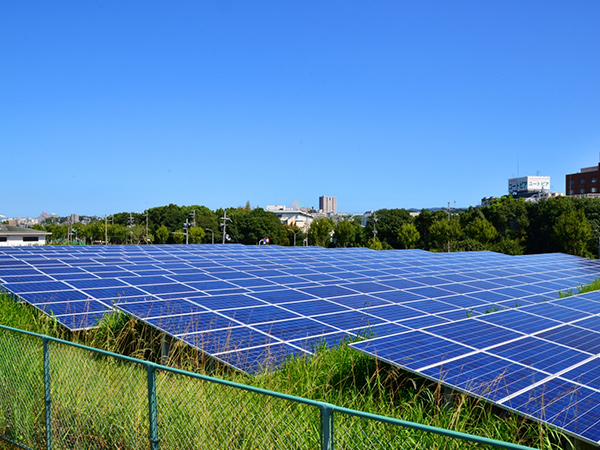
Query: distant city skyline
[{"x": 114, "y": 107}]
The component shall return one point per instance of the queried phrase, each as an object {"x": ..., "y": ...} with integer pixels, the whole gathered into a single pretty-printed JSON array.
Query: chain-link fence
[{"x": 59, "y": 395}]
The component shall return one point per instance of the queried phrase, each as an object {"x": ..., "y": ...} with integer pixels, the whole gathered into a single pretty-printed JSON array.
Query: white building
[
  {"x": 11, "y": 236},
  {"x": 526, "y": 186},
  {"x": 292, "y": 216}
]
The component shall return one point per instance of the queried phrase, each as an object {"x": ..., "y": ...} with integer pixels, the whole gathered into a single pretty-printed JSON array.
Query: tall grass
[{"x": 96, "y": 401}]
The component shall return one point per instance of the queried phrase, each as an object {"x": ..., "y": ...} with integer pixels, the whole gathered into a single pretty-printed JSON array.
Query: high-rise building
[{"x": 328, "y": 205}]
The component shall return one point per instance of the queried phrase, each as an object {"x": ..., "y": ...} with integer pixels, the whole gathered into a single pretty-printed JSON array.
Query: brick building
[{"x": 585, "y": 183}]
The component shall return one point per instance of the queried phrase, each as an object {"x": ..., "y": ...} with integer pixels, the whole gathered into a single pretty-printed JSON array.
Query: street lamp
[{"x": 213, "y": 234}]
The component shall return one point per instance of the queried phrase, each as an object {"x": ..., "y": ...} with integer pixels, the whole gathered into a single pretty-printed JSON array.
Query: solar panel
[
  {"x": 447, "y": 316},
  {"x": 540, "y": 360}
]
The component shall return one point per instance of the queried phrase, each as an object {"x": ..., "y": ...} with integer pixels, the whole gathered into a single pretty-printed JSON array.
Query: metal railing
[{"x": 56, "y": 394}]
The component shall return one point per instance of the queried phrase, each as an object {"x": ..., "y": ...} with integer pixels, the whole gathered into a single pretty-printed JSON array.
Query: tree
[
  {"x": 344, "y": 233},
  {"x": 294, "y": 235},
  {"x": 94, "y": 231},
  {"x": 509, "y": 216},
  {"x": 543, "y": 216},
  {"x": 388, "y": 223},
  {"x": 249, "y": 227},
  {"x": 137, "y": 234},
  {"x": 178, "y": 237},
  {"x": 423, "y": 222},
  {"x": 59, "y": 232},
  {"x": 196, "y": 234},
  {"x": 509, "y": 246},
  {"x": 320, "y": 232},
  {"x": 374, "y": 244},
  {"x": 444, "y": 232},
  {"x": 573, "y": 231},
  {"x": 162, "y": 234},
  {"x": 408, "y": 235},
  {"x": 117, "y": 234},
  {"x": 481, "y": 230}
]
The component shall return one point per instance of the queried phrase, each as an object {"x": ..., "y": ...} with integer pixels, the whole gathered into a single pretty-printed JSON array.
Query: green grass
[
  {"x": 581, "y": 289},
  {"x": 94, "y": 404}
]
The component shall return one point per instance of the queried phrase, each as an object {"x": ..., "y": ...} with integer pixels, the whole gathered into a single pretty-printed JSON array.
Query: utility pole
[
  {"x": 374, "y": 222},
  {"x": 193, "y": 214},
  {"x": 186, "y": 228},
  {"x": 105, "y": 230},
  {"x": 448, "y": 221},
  {"x": 130, "y": 228},
  {"x": 146, "y": 236},
  {"x": 224, "y": 224}
]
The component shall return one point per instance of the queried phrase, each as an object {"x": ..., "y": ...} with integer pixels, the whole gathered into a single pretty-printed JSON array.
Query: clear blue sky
[{"x": 110, "y": 106}]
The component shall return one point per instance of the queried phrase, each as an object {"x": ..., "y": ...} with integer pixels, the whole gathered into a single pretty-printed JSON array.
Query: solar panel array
[
  {"x": 540, "y": 360},
  {"x": 433, "y": 314}
]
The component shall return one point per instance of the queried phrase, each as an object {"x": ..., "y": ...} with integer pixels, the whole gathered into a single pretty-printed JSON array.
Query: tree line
[{"x": 508, "y": 225}]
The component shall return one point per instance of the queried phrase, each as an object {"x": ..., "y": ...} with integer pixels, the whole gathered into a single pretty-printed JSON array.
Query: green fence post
[
  {"x": 326, "y": 427},
  {"x": 152, "y": 410},
  {"x": 47, "y": 394}
]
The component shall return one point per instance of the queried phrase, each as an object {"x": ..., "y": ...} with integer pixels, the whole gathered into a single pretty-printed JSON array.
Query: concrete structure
[
  {"x": 11, "y": 236},
  {"x": 328, "y": 205},
  {"x": 292, "y": 216},
  {"x": 585, "y": 183}
]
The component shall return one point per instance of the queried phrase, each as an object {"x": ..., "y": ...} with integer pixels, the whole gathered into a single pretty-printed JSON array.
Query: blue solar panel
[
  {"x": 53, "y": 297},
  {"x": 328, "y": 291},
  {"x": 228, "y": 339},
  {"x": 475, "y": 334},
  {"x": 485, "y": 375},
  {"x": 413, "y": 349},
  {"x": 73, "y": 307},
  {"x": 314, "y": 307},
  {"x": 433, "y": 314},
  {"x": 360, "y": 301},
  {"x": 36, "y": 286},
  {"x": 228, "y": 301},
  {"x": 431, "y": 306},
  {"x": 24, "y": 278},
  {"x": 262, "y": 358},
  {"x": 519, "y": 320},
  {"x": 294, "y": 329},
  {"x": 350, "y": 320},
  {"x": 541, "y": 354},
  {"x": 314, "y": 343}
]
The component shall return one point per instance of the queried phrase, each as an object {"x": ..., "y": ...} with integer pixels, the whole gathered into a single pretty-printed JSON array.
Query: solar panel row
[
  {"x": 450, "y": 317},
  {"x": 540, "y": 360}
]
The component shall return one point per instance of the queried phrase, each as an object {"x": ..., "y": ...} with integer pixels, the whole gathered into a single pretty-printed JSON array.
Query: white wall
[{"x": 14, "y": 241}]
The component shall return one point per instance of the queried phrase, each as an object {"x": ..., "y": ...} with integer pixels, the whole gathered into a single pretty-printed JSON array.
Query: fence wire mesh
[
  {"x": 98, "y": 402},
  {"x": 22, "y": 405},
  {"x": 355, "y": 432},
  {"x": 194, "y": 413},
  {"x": 59, "y": 395}
]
